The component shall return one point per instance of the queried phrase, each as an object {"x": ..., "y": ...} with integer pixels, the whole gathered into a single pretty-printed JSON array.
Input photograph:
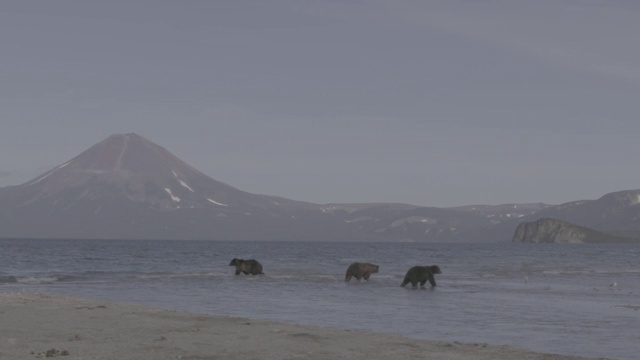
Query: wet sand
[{"x": 39, "y": 325}]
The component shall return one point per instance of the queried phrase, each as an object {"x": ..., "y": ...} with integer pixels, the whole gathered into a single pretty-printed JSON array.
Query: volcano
[{"x": 129, "y": 187}]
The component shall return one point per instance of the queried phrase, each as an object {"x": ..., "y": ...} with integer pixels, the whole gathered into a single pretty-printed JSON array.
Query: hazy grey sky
[{"x": 434, "y": 103}]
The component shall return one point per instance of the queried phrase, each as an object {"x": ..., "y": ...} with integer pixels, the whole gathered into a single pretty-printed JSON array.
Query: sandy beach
[{"x": 38, "y": 325}]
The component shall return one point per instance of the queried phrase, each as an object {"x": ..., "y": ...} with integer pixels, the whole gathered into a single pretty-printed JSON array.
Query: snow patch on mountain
[
  {"x": 217, "y": 203},
  {"x": 43, "y": 177},
  {"x": 174, "y": 198},
  {"x": 184, "y": 184},
  {"x": 50, "y": 173},
  {"x": 413, "y": 219}
]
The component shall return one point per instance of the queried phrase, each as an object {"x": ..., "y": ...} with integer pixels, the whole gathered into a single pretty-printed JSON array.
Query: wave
[
  {"x": 590, "y": 271},
  {"x": 219, "y": 276},
  {"x": 93, "y": 277},
  {"x": 529, "y": 271},
  {"x": 279, "y": 276},
  {"x": 43, "y": 279},
  {"x": 179, "y": 276},
  {"x": 28, "y": 280}
]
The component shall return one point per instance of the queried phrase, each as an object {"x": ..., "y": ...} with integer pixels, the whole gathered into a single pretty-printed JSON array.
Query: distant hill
[
  {"x": 127, "y": 187},
  {"x": 548, "y": 230},
  {"x": 617, "y": 213}
]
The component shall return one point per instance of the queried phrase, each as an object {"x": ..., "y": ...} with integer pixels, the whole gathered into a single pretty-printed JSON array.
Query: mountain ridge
[{"x": 127, "y": 187}]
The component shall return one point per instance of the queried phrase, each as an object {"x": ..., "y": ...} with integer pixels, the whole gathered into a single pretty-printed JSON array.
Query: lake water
[{"x": 566, "y": 299}]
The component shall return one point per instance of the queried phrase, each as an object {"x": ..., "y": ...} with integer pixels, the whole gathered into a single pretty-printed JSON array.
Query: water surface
[{"x": 567, "y": 299}]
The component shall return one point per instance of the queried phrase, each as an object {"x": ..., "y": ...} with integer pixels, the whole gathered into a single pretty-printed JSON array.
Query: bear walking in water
[
  {"x": 361, "y": 270},
  {"x": 247, "y": 267},
  {"x": 421, "y": 274}
]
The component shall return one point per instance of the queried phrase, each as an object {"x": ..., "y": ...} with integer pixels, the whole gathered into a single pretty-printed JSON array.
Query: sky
[{"x": 426, "y": 102}]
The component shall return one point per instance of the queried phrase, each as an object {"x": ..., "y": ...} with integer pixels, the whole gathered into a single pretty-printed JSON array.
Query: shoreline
[{"x": 37, "y": 325}]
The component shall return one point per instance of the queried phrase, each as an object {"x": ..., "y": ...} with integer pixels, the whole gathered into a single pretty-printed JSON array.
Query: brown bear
[
  {"x": 361, "y": 270},
  {"x": 247, "y": 267},
  {"x": 420, "y": 274}
]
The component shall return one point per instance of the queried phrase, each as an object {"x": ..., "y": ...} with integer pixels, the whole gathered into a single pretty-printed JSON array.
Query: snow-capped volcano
[
  {"x": 126, "y": 184},
  {"x": 135, "y": 168},
  {"x": 132, "y": 167}
]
